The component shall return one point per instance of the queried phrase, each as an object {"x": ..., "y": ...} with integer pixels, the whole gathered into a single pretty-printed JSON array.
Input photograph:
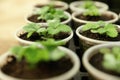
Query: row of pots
[
  {"x": 74, "y": 58},
  {"x": 74, "y": 6},
  {"x": 65, "y": 76},
  {"x": 76, "y": 11}
]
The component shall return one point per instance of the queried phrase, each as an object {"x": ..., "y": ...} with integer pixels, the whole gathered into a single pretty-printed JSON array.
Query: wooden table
[{"x": 12, "y": 16}]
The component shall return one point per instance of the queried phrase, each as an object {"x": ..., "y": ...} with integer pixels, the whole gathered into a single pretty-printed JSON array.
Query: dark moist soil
[
  {"x": 42, "y": 5},
  {"x": 98, "y": 58},
  {"x": 33, "y": 18},
  {"x": 103, "y": 17},
  {"x": 37, "y": 37},
  {"x": 42, "y": 71},
  {"x": 100, "y": 37}
]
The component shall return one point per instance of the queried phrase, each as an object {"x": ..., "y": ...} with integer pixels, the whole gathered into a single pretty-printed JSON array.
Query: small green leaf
[
  {"x": 88, "y": 4},
  {"x": 111, "y": 58},
  {"x": 89, "y": 26},
  {"x": 105, "y": 50},
  {"x": 57, "y": 54},
  {"x": 109, "y": 62},
  {"x": 116, "y": 51},
  {"x": 30, "y": 28},
  {"x": 48, "y": 16},
  {"x": 100, "y": 31},
  {"x": 42, "y": 30},
  {"x": 43, "y": 10},
  {"x": 91, "y": 11},
  {"x": 111, "y": 30},
  {"x": 50, "y": 13},
  {"x": 53, "y": 23},
  {"x": 29, "y": 34},
  {"x": 64, "y": 28},
  {"x": 55, "y": 27},
  {"x": 101, "y": 27},
  {"x": 51, "y": 42}
]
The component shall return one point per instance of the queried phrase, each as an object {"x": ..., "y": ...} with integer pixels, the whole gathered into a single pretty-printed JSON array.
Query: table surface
[{"x": 12, "y": 16}]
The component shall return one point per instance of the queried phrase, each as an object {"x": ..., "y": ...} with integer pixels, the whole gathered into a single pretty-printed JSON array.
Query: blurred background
[
  {"x": 12, "y": 14},
  {"x": 113, "y": 4}
]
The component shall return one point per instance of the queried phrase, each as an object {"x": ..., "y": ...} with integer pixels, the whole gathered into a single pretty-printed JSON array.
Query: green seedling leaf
[
  {"x": 91, "y": 12},
  {"x": 111, "y": 30},
  {"x": 88, "y": 4},
  {"x": 54, "y": 27},
  {"x": 111, "y": 58},
  {"x": 105, "y": 50},
  {"x": 43, "y": 10},
  {"x": 31, "y": 28},
  {"x": 89, "y": 26},
  {"x": 57, "y": 54},
  {"x": 116, "y": 51},
  {"x": 51, "y": 42},
  {"x": 42, "y": 30},
  {"x": 109, "y": 62},
  {"x": 101, "y": 27},
  {"x": 50, "y": 13},
  {"x": 100, "y": 31},
  {"x": 53, "y": 23},
  {"x": 18, "y": 52},
  {"x": 33, "y": 54}
]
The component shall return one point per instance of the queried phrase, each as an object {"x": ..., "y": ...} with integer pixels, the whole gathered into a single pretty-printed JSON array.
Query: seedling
[
  {"x": 49, "y": 13},
  {"x": 88, "y": 4},
  {"x": 101, "y": 27},
  {"x": 33, "y": 54},
  {"x": 54, "y": 27},
  {"x": 111, "y": 59},
  {"x": 90, "y": 9}
]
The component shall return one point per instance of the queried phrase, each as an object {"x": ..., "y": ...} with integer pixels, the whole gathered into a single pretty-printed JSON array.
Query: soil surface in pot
[
  {"x": 33, "y": 18},
  {"x": 42, "y": 71},
  {"x": 42, "y": 5},
  {"x": 97, "y": 36},
  {"x": 37, "y": 37},
  {"x": 103, "y": 17},
  {"x": 96, "y": 61}
]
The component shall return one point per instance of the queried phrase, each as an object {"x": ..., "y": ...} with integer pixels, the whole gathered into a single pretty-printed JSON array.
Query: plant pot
[
  {"x": 88, "y": 42},
  {"x": 65, "y": 76},
  {"x": 67, "y": 21},
  {"x": 78, "y": 21},
  {"x": 25, "y": 42},
  {"x": 94, "y": 72},
  {"x": 74, "y": 6},
  {"x": 58, "y": 4}
]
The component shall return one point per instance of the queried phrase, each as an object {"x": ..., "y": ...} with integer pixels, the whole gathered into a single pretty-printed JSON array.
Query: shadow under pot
[
  {"x": 79, "y": 18},
  {"x": 67, "y": 73},
  {"x": 33, "y": 18},
  {"x": 21, "y": 37},
  {"x": 77, "y": 6},
  {"x": 88, "y": 39},
  {"x": 93, "y": 61}
]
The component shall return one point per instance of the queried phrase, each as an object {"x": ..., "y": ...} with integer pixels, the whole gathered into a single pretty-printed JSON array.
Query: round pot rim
[
  {"x": 62, "y": 3},
  {"x": 44, "y": 23},
  {"x": 73, "y": 7},
  {"x": 91, "y": 69},
  {"x": 20, "y": 30},
  {"x": 69, "y": 74},
  {"x": 92, "y": 40},
  {"x": 105, "y": 12}
]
